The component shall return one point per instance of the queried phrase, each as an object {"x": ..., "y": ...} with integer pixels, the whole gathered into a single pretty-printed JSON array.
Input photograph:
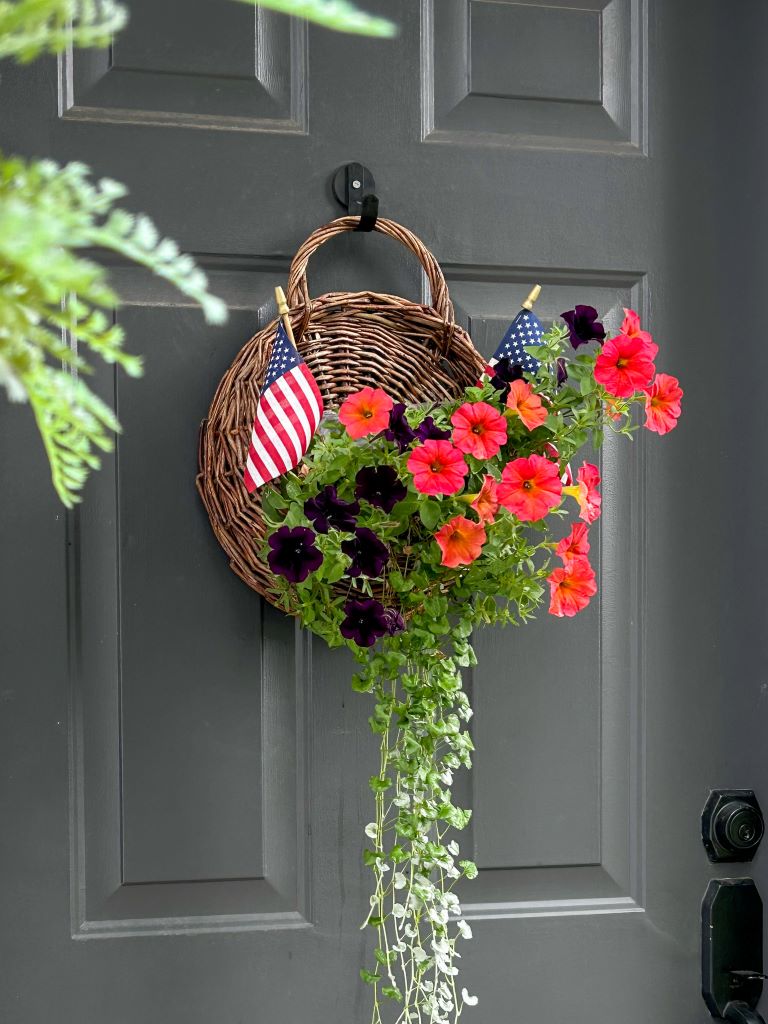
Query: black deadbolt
[{"x": 731, "y": 825}]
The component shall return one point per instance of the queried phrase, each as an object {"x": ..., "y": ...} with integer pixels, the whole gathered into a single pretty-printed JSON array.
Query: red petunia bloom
[
  {"x": 486, "y": 503},
  {"x": 437, "y": 468},
  {"x": 525, "y": 404},
  {"x": 530, "y": 487},
  {"x": 461, "y": 541},
  {"x": 575, "y": 545},
  {"x": 479, "y": 429},
  {"x": 586, "y": 493},
  {"x": 631, "y": 326},
  {"x": 571, "y": 588},
  {"x": 625, "y": 365},
  {"x": 662, "y": 404},
  {"x": 366, "y": 412}
]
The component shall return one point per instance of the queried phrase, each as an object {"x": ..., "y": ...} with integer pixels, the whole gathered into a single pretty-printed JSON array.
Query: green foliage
[
  {"x": 54, "y": 299},
  {"x": 414, "y": 678},
  {"x": 29, "y": 28},
  {"x": 335, "y": 14},
  {"x": 51, "y": 294}
]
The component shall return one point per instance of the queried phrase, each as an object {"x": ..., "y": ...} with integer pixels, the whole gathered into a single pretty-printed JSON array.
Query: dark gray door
[{"x": 182, "y": 784}]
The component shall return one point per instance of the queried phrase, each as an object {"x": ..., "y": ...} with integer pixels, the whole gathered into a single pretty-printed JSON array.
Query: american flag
[
  {"x": 524, "y": 330},
  {"x": 289, "y": 410}
]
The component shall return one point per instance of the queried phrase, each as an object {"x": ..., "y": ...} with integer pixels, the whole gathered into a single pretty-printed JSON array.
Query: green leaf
[
  {"x": 469, "y": 868},
  {"x": 430, "y": 514},
  {"x": 339, "y": 15},
  {"x": 361, "y": 685},
  {"x": 392, "y": 992},
  {"x": 369, "y": 977}
]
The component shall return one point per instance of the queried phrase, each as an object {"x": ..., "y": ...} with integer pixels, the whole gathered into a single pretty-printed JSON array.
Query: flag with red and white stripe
[{"x": 289, "y": 410}]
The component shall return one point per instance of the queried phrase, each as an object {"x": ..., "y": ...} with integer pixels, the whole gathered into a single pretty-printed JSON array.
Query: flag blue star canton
[
  {"x": 284, "y": 357},
  {"x": 524, "y": 330}
]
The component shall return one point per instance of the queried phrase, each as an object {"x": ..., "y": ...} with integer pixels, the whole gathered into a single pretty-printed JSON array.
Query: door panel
[{"x": 183, "y": 784}]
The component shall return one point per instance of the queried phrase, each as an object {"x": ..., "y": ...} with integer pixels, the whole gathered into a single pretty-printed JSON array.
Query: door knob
[
  {"x": 732, "y": 950},
  {"x": 731, "y": 825}
]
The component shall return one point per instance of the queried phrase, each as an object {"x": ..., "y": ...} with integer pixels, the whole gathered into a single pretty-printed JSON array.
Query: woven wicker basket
[{"x": 349, "y": 340}]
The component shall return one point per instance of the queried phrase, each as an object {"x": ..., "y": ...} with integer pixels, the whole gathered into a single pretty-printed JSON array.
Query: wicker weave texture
[{"x": 349, "y": 340}]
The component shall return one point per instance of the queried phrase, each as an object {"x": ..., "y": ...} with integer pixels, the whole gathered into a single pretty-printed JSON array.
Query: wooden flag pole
[{"x": 282, "y": 308}]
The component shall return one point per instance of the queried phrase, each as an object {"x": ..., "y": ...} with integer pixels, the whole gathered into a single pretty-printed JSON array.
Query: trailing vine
[{"x": 372, "y": 545}]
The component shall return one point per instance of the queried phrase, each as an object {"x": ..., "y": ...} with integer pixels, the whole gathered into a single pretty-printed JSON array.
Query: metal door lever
[
  {"x": 731, "y": 943},
  {"x": 742, "y": 1013}
]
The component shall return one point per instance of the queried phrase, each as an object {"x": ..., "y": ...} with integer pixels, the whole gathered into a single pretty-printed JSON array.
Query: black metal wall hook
[{"x": 353, "y": 186}]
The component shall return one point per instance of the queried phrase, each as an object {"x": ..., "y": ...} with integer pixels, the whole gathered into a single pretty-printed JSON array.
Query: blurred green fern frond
[
  {"x": 29, "y": 28},
  {"x": 340, "y": 15},
  {"x": 54, "y": 302}
]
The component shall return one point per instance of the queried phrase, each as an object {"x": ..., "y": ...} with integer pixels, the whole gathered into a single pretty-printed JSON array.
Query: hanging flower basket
[
  {"x": 349, "y": 340},
  {"x": 427, "y": 501}
]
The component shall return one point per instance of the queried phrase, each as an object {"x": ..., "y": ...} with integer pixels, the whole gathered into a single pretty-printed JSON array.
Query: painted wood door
[{"x": 183, "y": 772}]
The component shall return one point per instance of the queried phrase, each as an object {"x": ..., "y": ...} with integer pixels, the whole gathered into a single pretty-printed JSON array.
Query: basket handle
[{"x": 298, "y": 290}]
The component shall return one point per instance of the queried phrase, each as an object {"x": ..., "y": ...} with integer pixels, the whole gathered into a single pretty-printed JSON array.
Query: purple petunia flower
[
  {"x": 399, "y": 430},
  {"x": 427, "y": 431},
  {"x": 395, "y": 622},
  {"x": 504, "y": 372},
  {"x": 583, "y": 325},
  {"x": 369, "y": 555},
  {"x": 328, "y": 510},
  {"x": 365, "y": 621},
  {"x": 380, "y": 487},
  {"x": 562, "y": 372},
  {"x": 293, "y": 553}
]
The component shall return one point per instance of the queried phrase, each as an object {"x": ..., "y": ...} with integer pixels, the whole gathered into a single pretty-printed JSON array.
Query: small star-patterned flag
[
  {"x": 289, "y": 410},
  {"x": 525, "y": 330}
]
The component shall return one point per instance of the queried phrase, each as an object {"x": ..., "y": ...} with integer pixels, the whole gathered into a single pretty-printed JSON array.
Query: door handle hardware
[
  {"x": 731, "y": 939},
  {"x": 731, "y": 825},
  {"x": 741, "y": 1013}
]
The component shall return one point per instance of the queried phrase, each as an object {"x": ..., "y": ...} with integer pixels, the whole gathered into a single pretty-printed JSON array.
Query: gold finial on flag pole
[
  {"x": 535, "y": 293},
  {"x": 282, "y": 308}
]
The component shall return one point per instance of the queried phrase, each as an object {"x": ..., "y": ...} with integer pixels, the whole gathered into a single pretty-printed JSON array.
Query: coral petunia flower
[
  {"x": 630, "y": 326},
  {"x": 625, "y": 365},
  {"x": 571, "y": 587},
  {"x": 486, "y": 502},
  {"x": 437, "y": 467},
  {"x": 530, "y": 487},
  {"x": 586, "y": 493},
  {"x": 366, "y": 412},
  {"x": 479, "y": 429},
  {"x": 575, "y": 545},
  {"x": 461, "y": 541},
  {"x": 525, "y": 404},
  {"x": 662, "y": 404}
]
